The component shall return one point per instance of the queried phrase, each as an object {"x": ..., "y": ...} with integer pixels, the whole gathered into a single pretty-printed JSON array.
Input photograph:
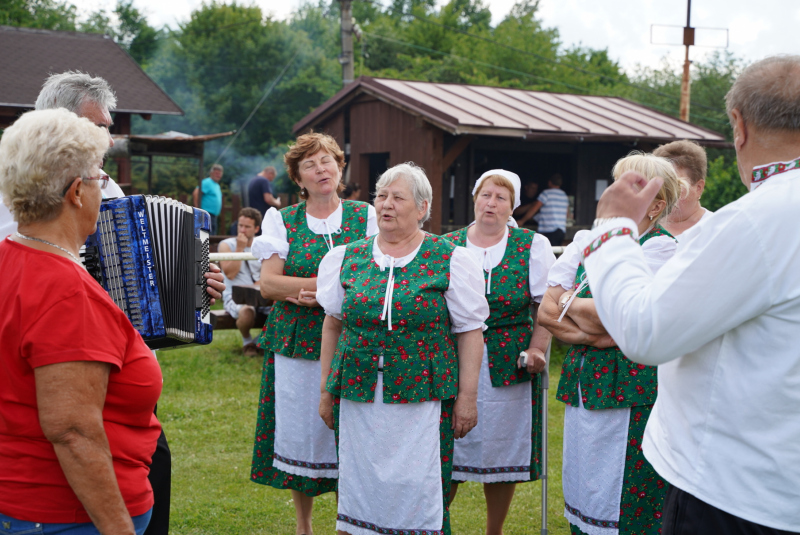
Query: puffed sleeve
[
  {"x": 273, "y": 238},
  {"x": 563, "y": 271},
  {"x": 465, "y": 300},
  {"x": 658, "y": 250},
  {"x": 541, "y": 260},
  {"x": 372, "y": 221},
  {"x": 330, "y": 292}
]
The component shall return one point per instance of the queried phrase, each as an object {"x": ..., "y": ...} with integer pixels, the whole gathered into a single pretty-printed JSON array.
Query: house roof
[
  {"x": 496, "y": 111},
  {"x": 29, "y": 56}
]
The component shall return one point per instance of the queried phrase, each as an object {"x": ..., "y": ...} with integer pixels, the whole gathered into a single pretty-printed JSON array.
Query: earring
[
  {"x": 304, "y": 192},
  {"x": 651, "y": 218}
]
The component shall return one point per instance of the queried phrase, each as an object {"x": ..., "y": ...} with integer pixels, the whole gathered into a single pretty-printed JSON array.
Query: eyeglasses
[{"x": 102, "y": 177}]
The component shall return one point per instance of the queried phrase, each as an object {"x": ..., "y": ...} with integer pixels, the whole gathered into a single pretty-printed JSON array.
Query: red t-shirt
[{"x": 53, "y": 311}]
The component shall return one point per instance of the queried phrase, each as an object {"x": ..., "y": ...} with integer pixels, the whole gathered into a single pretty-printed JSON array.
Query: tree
[
  {"x": 129, "y": 29},
  {"x": 723, "y": 184},
  {"x": 44, "y": 14}
]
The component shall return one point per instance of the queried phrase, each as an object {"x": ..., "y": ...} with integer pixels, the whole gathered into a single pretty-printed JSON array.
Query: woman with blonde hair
[
  {"x": 79, "y": 385},
  {"x": 505, "y": 447},
  {"x": 609, "y": 487},
  {"x": 293, "y": 448}
]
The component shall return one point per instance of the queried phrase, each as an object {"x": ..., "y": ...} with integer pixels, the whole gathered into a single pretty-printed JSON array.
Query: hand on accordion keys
[{"x": 215, "y": 282}]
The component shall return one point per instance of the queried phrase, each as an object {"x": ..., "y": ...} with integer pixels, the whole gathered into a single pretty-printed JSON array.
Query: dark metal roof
[
  {"x": 29, "y": 56},
  {"x": 495, "y": 111}
]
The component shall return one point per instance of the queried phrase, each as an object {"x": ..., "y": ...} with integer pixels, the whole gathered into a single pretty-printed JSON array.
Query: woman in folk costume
[
  {"x": 293, "y": 448},
  {"x": 609, "y": 487},
  {"x": 395, "y": 305},
  {"x": 505, "y": 446}
]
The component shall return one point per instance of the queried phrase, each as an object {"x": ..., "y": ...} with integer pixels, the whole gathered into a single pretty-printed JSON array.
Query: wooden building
[
  {"x": 456, "y": 132},
  {"x": 29, "y": 56}
]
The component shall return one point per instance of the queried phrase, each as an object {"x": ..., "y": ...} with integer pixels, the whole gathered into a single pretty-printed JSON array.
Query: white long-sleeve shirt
[{"x": 722, "y": 319}]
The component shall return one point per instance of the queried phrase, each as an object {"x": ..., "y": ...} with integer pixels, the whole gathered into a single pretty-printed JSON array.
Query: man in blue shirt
[
  {"x": 261, "y": 194},
  {"x": 211, "y": 200}
]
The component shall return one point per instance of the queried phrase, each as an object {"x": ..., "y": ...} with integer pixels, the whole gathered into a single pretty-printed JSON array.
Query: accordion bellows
[{"x": 150, "y": 254}]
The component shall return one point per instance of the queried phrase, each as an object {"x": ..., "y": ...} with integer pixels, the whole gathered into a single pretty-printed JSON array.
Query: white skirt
[
  {"x": 390, "y": 474},
  {"x": 594, "y": 466},
  {"x": 304, "y": 445},
  {"x": 498, "y": 449}
]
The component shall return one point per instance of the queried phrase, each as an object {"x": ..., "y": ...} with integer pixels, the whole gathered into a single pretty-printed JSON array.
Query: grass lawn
[{"x": 208, "y": 409}]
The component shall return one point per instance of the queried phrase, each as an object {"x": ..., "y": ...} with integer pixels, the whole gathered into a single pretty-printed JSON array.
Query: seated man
[{"x": 242, "y": 272}]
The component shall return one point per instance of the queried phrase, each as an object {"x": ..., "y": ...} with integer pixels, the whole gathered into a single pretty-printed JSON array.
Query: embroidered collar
[{"x": 761, "y": 174}]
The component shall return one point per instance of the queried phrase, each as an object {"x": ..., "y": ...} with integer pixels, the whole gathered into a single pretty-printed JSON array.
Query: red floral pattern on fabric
[
  {"x": 643, "y": 490},
  {"x": 261, "y": 470},
  {"x": 607, "y": 379},
  {"x": 420, "y": 362},
  {"x": 295, "y": 331},
  {"x": 510, "y": 325}
]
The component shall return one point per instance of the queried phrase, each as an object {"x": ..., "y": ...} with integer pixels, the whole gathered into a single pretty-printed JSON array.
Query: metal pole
[
  {"x": 688, "y": 40},
  {"x": 346, "y": 59},
  {"x": 545, "y": 387},
  {"x": 150, "y": 174}
]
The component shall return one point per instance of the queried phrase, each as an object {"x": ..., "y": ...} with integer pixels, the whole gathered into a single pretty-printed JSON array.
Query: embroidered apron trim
[
  {"x": 304, "y": 464},
  {"x": 593, "y": 521},
  {"x": 387, "y": 531},
  {"x": 497, "y": 470}
]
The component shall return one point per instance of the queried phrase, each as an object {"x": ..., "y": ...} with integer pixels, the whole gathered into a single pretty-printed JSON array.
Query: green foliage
[
  {"x": 43, "y": 14},
  {"x": 129, "y": 29},
  {"x": 723, "y": 184},
  {"x": 711, "y": 80}
]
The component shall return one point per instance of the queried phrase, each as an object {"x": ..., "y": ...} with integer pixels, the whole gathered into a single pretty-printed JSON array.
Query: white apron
[
  {"x": 594, "y": 466},
  {"x": 390, "y": 474},
  {"x": 499, "y": 447},
  {"x": 304, "y": 445}
]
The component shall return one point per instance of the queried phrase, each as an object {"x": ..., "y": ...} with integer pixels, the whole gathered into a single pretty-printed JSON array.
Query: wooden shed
[
  {"x": 29, "y": 56},
  {"x": 456, "y": 132}
]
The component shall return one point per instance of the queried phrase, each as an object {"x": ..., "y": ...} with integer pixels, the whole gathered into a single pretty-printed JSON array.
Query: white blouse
[
  {"x": 465, "y": 301},
  {"x": 656, "y": 251},
  {"x": 273, "y": 239},
  {"x": 541, "y": 260}
]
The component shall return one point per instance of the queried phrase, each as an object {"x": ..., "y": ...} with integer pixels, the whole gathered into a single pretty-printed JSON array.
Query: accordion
[{"x": 150, "y": 253}]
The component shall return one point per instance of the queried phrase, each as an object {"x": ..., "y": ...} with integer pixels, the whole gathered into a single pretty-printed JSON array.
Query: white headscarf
[{"x": 511, "y": 177}]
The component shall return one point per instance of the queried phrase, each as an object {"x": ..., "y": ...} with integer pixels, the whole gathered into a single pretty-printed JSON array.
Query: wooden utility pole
[
  {"x": 346, "y": 59},
  {"x": 688, "y": 40}
]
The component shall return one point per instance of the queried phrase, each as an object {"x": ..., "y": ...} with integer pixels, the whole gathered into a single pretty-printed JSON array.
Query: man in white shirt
[
  {"x": 722, "y": 319},
  {"x": 242, "y": 272}
]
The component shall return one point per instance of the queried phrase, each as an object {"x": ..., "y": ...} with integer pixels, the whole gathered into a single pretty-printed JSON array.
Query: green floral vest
[
  {"x": 510, "y": 324},
  {"x": 420, "y": 362},
  {"x": 292, "y": 330},
  {"x": 608, "y": 380}
]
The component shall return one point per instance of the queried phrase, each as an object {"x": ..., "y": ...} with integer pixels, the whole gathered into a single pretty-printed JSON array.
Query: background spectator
[
  {"x": 551, "y": 210},
  {"x": 352, "y": 192},
  {"x": 211, "y": 200},
  {"x": 242, "y": 272},
  {"x": 690, "y": 162},
  {"x": 261, "y": 192}
]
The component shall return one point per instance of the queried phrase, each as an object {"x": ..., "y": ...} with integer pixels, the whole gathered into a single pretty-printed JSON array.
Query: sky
[{"x": 755, "y": 29}]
